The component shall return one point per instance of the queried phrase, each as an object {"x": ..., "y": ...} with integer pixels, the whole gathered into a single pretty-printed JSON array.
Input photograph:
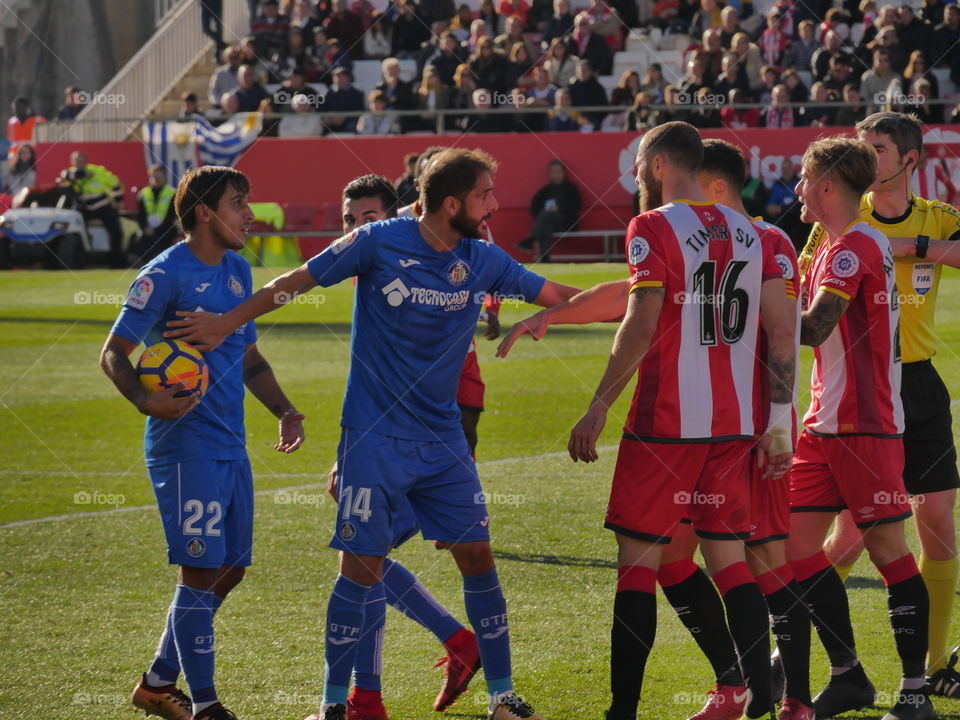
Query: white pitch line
[{"x": 271, "y": 491}]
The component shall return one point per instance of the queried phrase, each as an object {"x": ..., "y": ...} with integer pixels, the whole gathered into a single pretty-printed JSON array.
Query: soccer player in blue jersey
[
  {"x": 420, "y": 287},
  {"x": 196, "y": 448}
]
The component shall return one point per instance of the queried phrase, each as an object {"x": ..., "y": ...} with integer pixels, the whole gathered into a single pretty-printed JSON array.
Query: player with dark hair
[
  {"x": 367, "y": 199},
  {"x": 850, "y": 454},
  {"x": 922, "y": 235},
  {"x": 418, "y": 281},
  {"x": 196, "y": 448}
]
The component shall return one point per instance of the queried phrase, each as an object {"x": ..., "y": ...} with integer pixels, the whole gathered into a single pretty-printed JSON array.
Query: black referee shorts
[{"x": 931, "y": 458}]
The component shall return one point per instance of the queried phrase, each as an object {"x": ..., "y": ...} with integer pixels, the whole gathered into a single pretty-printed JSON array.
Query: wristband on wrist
[
  {"x": 781, "y": 416},
  {"x": 923, "y": 243}
]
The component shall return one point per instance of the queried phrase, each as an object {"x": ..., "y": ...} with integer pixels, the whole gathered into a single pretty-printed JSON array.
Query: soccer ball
[{"x": 170, "y": 362}]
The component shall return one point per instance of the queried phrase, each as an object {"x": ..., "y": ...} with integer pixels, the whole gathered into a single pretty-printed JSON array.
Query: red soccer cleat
[
  {"x": 724, "y": 702},
  {"x": 365, "y": 705},
  {"x": 793, "y": 709},
  {"x": 462, "y": 663}
]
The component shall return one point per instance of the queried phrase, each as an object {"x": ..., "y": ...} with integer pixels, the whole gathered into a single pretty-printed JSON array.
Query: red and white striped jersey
[
  {"x": 786, "y": 257},
  {"x": 856, "y": 371},
  {"x": 696, "y": 382}
]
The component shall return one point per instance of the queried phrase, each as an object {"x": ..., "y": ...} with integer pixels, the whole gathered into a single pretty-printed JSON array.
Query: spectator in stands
[
  {"x": 705, "y": 112},
  {"x": 626, "y": 90},
  {"x": 298, "y": 56},
  {"x": 773, "y": 42},
  {"x": 839, "y": 75},
  {"x": 296, "y": 85},
  {"x": 729, "y": 25},
  {"x": 918, "y": 69},
  {"x": 488, "y": 14},
  {"x": 22, "y": 170},
  {"x": 560, "y": 24},
  {"x": 520, "y": 70},
  {"x": 606, "y": 23},
  {"x": 431, "y": 45},
  {"x": 586, "y": 91},
  {"x": 72, "y": 103},
  {"x": 98, "y": 191},
  {"x": 854, "y": 112},
  {"x": 211, "y": 22},
  {"x": 478, "y": 31},
  {"x": 739, "y": 119},
  {"x": 304, "y": 18},
  {"x": 345, "y": 25},
  {"x": 432, "y": 11},
  {"x": 555, "y": 208},
  {"x": 671, "y": 109},
  {"x": 931, "y": 12},
  {"x": 831, "y": 21},
  {"x": 343, "y": 97},
  {"x": 778, "y": 115},
  {"x": 694, "y": 80},
  {"x": 513, "y": 36},
  {"x": 708, "y": 16},
  {"x": 815, "y": 113},
  {"x": 378, "y": 39},
  {"x": 641, "y": 115},
  {"x": 798, "y": 91},
  {"x": 749, "y": 60},
  {"x": 322, "y": 51},
  {"x": 561, "y": 63},
  {"x": 464, "y": 84},
  {"x": 224, "y": 78},
  {"x": 156, "y": 217},
  {"x": 654, "y": 83},
  {"x": 248, "y": 51},
  {"x": 587, "y": 45},
  {"x": 541, "y": 95},
  {"x": 229, "y": 105},
  {"x": 22, "y": 125},
  {"x": 946, "y": 38},
  {"x": 460, "y": 24},
  {"x": 271, "y": 121},
  {"x": 754, "y": 194},
  {"x": 302, "y": 121},
  {"x": 378, "y": 120},
  {"x": 887, "y": 39},
  {"x": 665, "y": 15},
  {"x": 730, "y": 77},
  {"x": 799, "y": 55},
  {"x": 432, "y": 95},
  {"x": 397, "y": 92},
  {"x": 783, "y": 209},
  {"x": 712, "y": 55},
  {"x": 514, "y": 7},
  {"x": 489, "y": 66},
  {"x": 918, "y": 103},
  {"x": 874, "y": 83},
  {"x": 189, "y": 106},
  {"x": 484, "y": 122},
  {"x": 912, "y": 33},
  {"x": 447, "y": 57},
  {"x": 270, "y": 30},
  {"x": 820, "y": 62},
  {"x": 248, "y": 91},
  {"x": 563, "y": 117}
]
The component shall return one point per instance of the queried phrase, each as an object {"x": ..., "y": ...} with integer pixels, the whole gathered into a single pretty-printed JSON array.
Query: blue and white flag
[
  {"x": 224, "y": 144},
  {"x": 171, "y": 144}
]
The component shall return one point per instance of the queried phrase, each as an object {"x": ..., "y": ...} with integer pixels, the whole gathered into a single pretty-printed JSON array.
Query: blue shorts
[
  {"x": 390, "y": 488},
  {"x": 206, "y": 507}
]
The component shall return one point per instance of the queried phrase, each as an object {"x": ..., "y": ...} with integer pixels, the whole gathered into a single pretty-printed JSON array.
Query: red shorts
[
  {"x": 657, "y": 485},
  {"x": 470, "y": 391},
  {"x": 769, "y": 507},
  {"x": 861, "y": 472}
]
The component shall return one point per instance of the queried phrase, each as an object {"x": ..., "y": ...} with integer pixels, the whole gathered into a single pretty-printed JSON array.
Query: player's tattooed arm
[
  {"x": 259, "y": 378},
  {"x": 115, "y": 363},
  {"x": 818, "y": 322},
  {"x": 778, "y": 315}
]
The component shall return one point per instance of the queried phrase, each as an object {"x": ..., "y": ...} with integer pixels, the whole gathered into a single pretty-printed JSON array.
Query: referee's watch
[{"x": 923, "y": 242}]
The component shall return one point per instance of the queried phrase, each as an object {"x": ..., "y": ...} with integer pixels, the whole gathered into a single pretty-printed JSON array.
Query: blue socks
[
  {"x": 345, "y": 613},
  {"x": 408, "y": 595},
  {"x": 165, "y": 667},
  {"x": 368, "y": 665},
  {"x": 487, "y": 610},
  {"x": 191, "y": 620}
]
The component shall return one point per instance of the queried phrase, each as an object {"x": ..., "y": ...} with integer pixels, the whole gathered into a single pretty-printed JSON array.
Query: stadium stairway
[{"x": 196, "y": 80}]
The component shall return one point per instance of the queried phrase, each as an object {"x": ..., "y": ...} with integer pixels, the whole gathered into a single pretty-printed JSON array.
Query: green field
[{"x": 84, "y": 585}]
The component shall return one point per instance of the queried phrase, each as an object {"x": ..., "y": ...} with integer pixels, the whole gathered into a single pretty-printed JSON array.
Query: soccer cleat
[
  {"x": 168, "y": 702},
  {"x": 840, "y": 696},
  {"x": 332, "y": 712},
  {"x": 912, "y": 705},
  {"x": 462, "y": 663},
  {"x": 365, "y": 705},
  {"x": 724, "y": 702},
  {"x": 509, "y": 706},
  {"x": 945, "y": 682},
  {"x": 215, "y": 712},
  {"x": 793, "y": 709}
]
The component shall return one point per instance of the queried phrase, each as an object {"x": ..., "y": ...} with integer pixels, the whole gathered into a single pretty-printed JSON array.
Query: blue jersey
[
  {"x": 415, "y": 314},
  {"x": 177, "y": 280}
]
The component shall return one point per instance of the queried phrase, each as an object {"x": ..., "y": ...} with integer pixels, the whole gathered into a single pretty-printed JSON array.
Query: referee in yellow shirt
[{"x": 922, "y": 234}]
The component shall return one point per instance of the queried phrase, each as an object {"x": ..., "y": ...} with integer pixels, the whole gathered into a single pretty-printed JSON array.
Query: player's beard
[
  {"x": 228, "y": 238},
  {"x": 463, "y": 224},
  {"x": 651, "y": 192}
]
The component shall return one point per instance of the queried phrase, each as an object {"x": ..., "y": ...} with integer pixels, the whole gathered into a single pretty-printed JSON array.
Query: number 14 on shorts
[{"x": 355, "y": 502}]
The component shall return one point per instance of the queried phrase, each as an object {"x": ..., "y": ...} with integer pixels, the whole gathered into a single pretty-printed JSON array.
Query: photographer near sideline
[{"x": 98, "y": 192}]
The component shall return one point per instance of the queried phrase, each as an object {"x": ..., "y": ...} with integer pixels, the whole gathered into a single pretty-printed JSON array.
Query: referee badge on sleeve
[{"x": 923, "y": 277}]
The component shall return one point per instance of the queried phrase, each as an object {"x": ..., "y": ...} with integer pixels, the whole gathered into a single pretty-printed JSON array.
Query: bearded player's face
[
  {"x": 651, "y": 191},
  {"x": 475, "y": 209}
]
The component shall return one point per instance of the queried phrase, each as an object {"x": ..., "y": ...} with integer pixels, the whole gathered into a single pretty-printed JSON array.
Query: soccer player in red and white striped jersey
[
  {"x": 850, "y": 454},
  {"x": 701, "y": 282}
]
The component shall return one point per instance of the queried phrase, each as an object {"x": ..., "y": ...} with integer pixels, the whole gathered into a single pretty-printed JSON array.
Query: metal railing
[{"x": 140, "y": 85}]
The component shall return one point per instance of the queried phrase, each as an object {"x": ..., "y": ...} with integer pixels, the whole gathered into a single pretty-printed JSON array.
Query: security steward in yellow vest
[
  {"x": 156, "y": 216},
  {"x": 99, "y": 193}
]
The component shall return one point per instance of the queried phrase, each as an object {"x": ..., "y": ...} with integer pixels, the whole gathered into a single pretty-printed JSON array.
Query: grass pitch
[{"x": 84, "y": 584}]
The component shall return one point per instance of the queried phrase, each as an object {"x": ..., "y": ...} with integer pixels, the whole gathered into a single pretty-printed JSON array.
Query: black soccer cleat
[
  {"x": 215, "y": 712},
  {"x": 844, "y": 693},
  {"x": 912, "y": 705},
  {"x": 945, "y": 682}
]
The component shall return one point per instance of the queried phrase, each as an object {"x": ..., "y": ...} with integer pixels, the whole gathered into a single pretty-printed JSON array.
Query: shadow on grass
[{"x": 565, "y": 560}]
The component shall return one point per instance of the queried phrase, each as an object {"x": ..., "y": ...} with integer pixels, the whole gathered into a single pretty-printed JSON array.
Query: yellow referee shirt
[{"x": 917, "y": 280}]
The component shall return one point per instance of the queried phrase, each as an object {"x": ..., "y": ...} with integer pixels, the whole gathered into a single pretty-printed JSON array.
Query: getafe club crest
[
  {"x": 458, "y": 273},
  {"x": 236, "y": 287}
]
